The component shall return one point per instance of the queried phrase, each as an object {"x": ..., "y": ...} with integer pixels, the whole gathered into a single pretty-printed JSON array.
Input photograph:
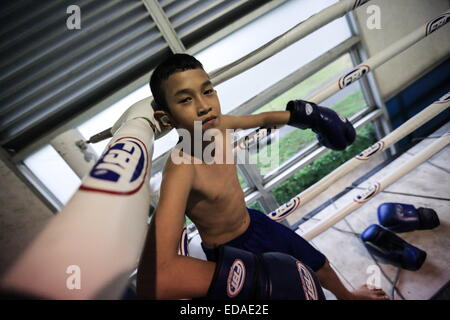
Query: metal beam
[
  {"x": 253, "y": 177},
  {"x": 384, "y": 124},
  {"x": 165, "y": 27}
]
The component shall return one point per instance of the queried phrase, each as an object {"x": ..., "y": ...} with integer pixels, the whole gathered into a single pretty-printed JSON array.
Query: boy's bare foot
[{"x": 366, "y": 293}]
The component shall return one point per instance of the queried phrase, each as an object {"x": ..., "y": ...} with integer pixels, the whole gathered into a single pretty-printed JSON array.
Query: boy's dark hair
[{"x": 174, "y": 63}]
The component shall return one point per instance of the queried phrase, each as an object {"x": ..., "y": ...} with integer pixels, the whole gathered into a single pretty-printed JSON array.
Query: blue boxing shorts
[{"x": 266, "y": 235}]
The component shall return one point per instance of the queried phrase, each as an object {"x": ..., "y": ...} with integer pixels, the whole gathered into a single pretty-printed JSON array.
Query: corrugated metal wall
[{"x": 50, "y": 74}]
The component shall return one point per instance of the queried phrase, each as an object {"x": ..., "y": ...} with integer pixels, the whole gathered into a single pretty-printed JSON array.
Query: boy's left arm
[
  {"x": 264, "y": 119},
  {"x": 333, "y": 131}
]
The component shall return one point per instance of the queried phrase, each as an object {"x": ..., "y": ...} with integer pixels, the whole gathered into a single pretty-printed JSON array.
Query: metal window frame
[
  {"x": 251, "y": 174},
  {"x": 32, "y": 182},
  {"x": 305, "y": 157},
  {"x": 39, "y": 188},
  {"x": 370, "y": 87}
]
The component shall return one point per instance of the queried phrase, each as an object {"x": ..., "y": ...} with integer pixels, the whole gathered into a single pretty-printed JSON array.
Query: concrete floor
[{"x": 428, "y": 186}]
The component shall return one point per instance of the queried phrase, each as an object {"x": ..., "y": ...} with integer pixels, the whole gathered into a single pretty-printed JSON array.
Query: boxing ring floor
[{"x": 428, "y": 186}]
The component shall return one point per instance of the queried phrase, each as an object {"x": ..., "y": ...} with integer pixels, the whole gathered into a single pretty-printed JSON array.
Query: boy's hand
[{"x": 333, "y": 131}]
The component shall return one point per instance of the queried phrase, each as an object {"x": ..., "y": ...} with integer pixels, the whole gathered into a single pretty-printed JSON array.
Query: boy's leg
[{"x": 282, "y": 239}]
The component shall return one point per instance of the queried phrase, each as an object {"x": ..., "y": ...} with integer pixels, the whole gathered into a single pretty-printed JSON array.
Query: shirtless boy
[{"x": 211, "y": 196}]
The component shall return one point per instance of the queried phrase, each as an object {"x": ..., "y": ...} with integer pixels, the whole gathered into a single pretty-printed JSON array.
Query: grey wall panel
[{"x": 50, "y": 74}]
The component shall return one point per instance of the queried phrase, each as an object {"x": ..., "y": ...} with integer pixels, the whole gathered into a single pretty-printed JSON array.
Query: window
[
  {"x": 246, "y": 85},
  {"x": 54, "y": 173},
  {"x": 346, "y": 102},
  {"x": 323, "y": 165},
  {"x": 255, "y": 205}
]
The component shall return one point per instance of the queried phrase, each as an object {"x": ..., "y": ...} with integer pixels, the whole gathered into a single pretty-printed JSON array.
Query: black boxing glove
[
  {"x": 392, "y": 249},
  {"x": 333, "y": 131},
  {"x": 401, "y": 217},
  {"x": 242, "y": 275}
]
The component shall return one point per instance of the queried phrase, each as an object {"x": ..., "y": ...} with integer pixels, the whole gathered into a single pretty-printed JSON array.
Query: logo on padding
[
  {"x": 309, "y": 287},
  {"x": 371, "y": 192},
  {"x": 436, "y": 23},
  {"x": 308, "y": 109},
  {"x": 353, "y": 75},
  {"x": 255, "y": 137},
  {"x": 236, "y": 278},
  {"x": 286, "y": 209},
  {"x": 444, "y": 99},
  {"x": 121, "y": 169},
  {"x": 370, "y": 151}
]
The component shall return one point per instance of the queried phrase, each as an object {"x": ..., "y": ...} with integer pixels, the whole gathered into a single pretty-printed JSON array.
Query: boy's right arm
[{"x": 163, "y": 274}]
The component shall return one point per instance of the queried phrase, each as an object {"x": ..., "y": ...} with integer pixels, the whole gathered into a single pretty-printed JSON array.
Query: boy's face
[{"x": 191, "y": 97}]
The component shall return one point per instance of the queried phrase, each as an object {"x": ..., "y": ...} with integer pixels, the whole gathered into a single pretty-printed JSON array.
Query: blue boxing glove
[
  {"x": 333, "y": 131},
  {"x": 400, "y": 217},
  {"x": 242, "y": 275},
  {"x": 392, "y": 249}
]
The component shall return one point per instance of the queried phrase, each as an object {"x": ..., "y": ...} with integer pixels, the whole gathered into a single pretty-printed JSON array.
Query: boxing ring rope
[
  {"x": 355, "y": 74},
  {"x": 279, "y": 43},
  {"x": 406, "y": 128},
  {"x": 377, "y": 187},
  {"x": 380, "y": 58},
  {"x": 345, "y": 80},
  {"x": 370, "y": 64}
]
